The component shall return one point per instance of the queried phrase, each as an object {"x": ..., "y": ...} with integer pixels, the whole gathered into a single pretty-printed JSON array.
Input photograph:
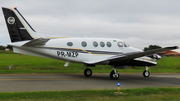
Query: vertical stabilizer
[{"x": 19, "y": 29}]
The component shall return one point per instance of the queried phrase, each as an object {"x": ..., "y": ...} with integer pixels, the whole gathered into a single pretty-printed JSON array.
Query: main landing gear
[
  {"x": 146, "y": 73},
  {"x": 88, "y": 72},
  {"x": 114, "y": 75}
]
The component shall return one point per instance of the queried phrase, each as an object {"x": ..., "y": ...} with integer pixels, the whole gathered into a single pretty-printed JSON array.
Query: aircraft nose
[
  {"x": 159, "y": 57},
  {"x": 156, "y": 56}
]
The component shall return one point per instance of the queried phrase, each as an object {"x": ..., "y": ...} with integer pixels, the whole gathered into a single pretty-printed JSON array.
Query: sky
[{"x": 139, "y": 23}]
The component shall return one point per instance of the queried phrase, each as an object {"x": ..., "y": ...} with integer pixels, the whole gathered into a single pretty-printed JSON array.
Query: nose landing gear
[
  {"x": 114, "y": 75},
  {"x": 146, "y": 73}
]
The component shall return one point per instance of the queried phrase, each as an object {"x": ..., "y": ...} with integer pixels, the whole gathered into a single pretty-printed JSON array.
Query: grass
[
  {"x": 138, "y": 94},
  {"x": 169, "y": 62},
  {"x": 33, "y": 64}
]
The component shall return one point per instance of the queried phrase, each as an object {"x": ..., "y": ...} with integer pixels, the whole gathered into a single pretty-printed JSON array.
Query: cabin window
[
  {"x": 95, "y": 44},
  {"x": 120, "y": 44},
  {"x": 84, "y": 44},
  {"x": 108, "y": 44},
  {"x": 69, "y": 43},
  {"x": 102, "y": 44}
]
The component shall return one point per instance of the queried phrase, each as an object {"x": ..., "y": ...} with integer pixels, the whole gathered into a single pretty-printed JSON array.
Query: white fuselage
[{"x": 80, "y": 50}]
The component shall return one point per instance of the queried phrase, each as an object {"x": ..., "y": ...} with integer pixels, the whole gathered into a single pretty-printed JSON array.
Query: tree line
[
  {"x": 4, "y": 47},
  {"x": 151, "y": 47}
]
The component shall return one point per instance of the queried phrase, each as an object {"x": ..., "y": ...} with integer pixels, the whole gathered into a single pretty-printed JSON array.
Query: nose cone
[{"x": 158, "y": 57}]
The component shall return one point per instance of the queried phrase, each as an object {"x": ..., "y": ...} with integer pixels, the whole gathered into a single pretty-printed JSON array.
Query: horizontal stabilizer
[{"x": 38, "y": 41}]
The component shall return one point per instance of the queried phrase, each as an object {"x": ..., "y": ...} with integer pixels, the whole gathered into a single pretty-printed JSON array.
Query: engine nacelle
[{"x": 156, "y": 56}]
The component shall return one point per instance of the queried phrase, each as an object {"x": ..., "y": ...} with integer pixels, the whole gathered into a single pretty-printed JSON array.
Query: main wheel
[
  {"x": 114, "y": 76},
  {"x": 146, "y": 73},
  {"x": 88, "y": 72}
]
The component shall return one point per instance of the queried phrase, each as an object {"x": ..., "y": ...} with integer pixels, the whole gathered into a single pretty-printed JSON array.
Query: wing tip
[{"x": 175, "y": 47}]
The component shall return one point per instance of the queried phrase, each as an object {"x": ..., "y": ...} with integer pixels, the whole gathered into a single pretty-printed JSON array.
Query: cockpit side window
[{"x": 120, "y": 44}]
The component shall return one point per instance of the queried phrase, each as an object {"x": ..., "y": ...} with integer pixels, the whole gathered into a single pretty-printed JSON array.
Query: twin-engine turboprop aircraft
[{"x": 88, "y": 51}]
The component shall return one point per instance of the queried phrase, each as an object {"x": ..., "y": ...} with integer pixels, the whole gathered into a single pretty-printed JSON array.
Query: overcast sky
[{"x": 139, "y": 23}]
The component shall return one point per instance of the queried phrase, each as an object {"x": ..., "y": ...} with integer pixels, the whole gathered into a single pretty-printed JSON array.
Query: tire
[
  {"x": 146, "y": 73},
  {"x": 113, "y": 76},
  {"x": 88, "y": 72}
]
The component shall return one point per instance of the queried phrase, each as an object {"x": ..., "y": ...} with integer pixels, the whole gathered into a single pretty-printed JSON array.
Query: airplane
[{"x": 88, "y": 51}]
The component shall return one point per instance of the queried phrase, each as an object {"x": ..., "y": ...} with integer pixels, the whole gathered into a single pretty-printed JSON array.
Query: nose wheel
[
  {"x": 114, "y": 75},
  {"x": 88, "y": 72},
  {"x": 146, "y": 73}
]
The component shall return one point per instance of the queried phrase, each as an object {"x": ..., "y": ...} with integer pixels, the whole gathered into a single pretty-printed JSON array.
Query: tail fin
[{"x": 19, "y": 29}]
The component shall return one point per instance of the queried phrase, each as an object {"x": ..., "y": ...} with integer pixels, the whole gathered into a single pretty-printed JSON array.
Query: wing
[
  {"x": 131, "y": 56},
  {"x": 38, "y": 41}
]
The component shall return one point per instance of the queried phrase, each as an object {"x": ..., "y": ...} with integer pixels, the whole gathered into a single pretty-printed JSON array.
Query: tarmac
[{"x": 63, "y": 82}]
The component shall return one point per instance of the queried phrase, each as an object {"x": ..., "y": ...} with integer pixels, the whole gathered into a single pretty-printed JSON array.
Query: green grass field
[
  {"x": 32, "y": 64},
  {"x": 139, "y": 94}
]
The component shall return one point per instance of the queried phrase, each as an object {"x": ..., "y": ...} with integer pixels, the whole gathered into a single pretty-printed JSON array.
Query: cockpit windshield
[{"x": 125, "y": 45}]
